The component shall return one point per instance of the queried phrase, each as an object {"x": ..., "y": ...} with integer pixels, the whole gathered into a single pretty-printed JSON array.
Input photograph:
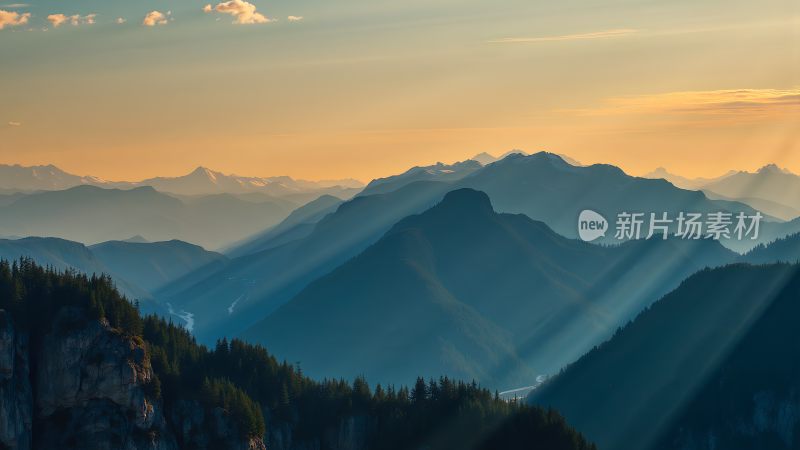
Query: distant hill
[
  {"x": 782, "y": 250},
  {"x": 694, "y": 184},
  {"x": 769, "y": 207},
  {"x": 769, "y": 183},
  {"x": 771, "y": 189},
  {"x": 711, "y": 365},
  {"x": 139, "y": 269},
  {"x": 91, "y": 214},
  {"x": 437, "y": 172},
  {"x": 462, "y": 290},
  {"x": 61, "y": 255},
  {"x": 299, "y": 224},
  {"x": 152, "y": 265}
]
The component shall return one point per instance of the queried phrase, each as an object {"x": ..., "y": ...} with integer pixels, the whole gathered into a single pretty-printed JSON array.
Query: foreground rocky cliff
[{"x": 88, "y": 386}]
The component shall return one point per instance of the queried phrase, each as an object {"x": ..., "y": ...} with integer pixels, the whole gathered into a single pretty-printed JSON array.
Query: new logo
[{"x": 591, "y": 225}]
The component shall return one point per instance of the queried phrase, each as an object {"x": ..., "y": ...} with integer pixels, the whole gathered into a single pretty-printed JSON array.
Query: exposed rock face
[
  {"x": 16, "y": 397},
  {"x": 351, "y": 434},
  {"x": 196, "y": 428},
  {"x": 773, "y": 419},
  {"x": 90, "y": 386},
  {"x": 85, "y": 386}
]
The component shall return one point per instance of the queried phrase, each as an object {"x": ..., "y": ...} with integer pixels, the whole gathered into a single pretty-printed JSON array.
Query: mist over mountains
[
  {"x": 541, "y": 186},
  {"x": 714, "y": 361},
  {"x": 771, "y": 189},
  {"x": 201, "y": 181},
  {"x": 469, "y": 270},
  {"x": 90, "y": 214},
  {"x": 465, "y": 291}
]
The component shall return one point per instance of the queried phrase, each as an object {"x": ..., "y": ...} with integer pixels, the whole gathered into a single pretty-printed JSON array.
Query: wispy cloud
[
  {"x": 294, "y": 18},
  {"x": 154, "y": 18},
  {"x": 726, "y": 102},
  {"x": 76, "y": 19},
  {"x": 13, "y": 18},
  {"x": 15, "y": 5},
  {"x": 244, "y": 13},
  {"x": 120, "y": 20},
  {"x": 606, "y": 34},
  {"x": 14, "y": 124}
]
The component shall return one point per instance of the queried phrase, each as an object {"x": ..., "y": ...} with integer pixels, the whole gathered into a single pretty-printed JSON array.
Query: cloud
[
  {"x": 16, "y": 5},
  {"x": 728, "y": 104},
  {"x": 154, "y": 18},
  {"x": 567, "y": 37},
  {"x": 14, "y": 124},
  {"x": 244, "y": 12},
  {"x": 294, "y": 18},
  {"x": 57, "y": 19},
  {"x": 13, "y": 18},
  {"x": 76, "y": 19},
  {"x": 119, "y": 21}
]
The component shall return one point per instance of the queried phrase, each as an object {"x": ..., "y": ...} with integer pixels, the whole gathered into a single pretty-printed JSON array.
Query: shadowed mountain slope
[
  {"x": 462, "y": 290},
  {"x": 711, "y": 365}
]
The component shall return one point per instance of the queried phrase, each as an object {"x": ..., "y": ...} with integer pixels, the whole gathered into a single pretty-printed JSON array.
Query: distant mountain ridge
[
  {"x": 485, "y": 158},
  {"x": 771, "y": 189},
  {"x": 769, "y": 183},
  {"x": 90, "y": 214},
  {"x": 465, "y": 291},
  {"x": 299, "y": 224},
  {"x": 684, "y": 182},
  {"x": 35, "y": 178},
  {"x": 138, "y": 269},
  {"x": 201, "y": 181},
  {"x": 781, "y": 250},
  {"x": 542, "y": 186},
  {"x": 436, "y": 172}
]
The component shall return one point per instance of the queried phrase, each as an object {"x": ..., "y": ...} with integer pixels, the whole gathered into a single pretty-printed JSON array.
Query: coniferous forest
[{"x": 257, "y": 391}]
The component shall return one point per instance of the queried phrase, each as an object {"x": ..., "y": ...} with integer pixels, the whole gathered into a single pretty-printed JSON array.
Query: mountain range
[
  {"x": 771, "y": 189},
  {"x": 711, "y": 365},
  {"x": 485, "y": 158},
  {"x": 464, "y": 291},
  {"x": 90, "y": 214},
  {"x": 201, "y": 181},
  {"x": 542, "y": 186},
  {"x": 694, "y": 184}
]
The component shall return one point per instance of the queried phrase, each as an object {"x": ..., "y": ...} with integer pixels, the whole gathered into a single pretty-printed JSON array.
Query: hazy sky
[{"x": 345, "y": 88}]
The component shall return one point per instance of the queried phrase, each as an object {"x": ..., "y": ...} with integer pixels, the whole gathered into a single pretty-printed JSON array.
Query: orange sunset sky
[{"x": 320, "y": 89}]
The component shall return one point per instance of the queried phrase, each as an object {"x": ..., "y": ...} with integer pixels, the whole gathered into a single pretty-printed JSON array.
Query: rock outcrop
[
  {"x": 16, "y": 397},
  {"x": 84, "y": 385}
]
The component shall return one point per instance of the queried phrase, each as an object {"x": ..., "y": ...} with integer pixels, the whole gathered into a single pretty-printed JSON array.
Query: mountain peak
[
  {"x": 660, "y": 171},
  {"x": 138, "y": 239},
  {"x": 465, "y": 200},
  {"x": 773, "y": 168},
  {"x": 200, "y": 170},
  {"x": 535, "y": 158}
]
